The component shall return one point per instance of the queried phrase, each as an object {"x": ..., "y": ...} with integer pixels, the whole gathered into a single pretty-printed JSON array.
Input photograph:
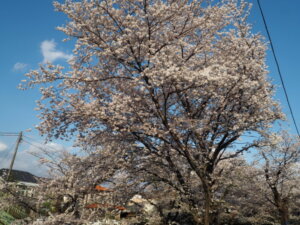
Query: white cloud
[
  {"x": 49, "y": 147},
  {"x": 50, "y": 53},
  {"x": 3, "y": 146},
  {"x": 20, "y": 66},
  {"x": 26, "y": 161}
]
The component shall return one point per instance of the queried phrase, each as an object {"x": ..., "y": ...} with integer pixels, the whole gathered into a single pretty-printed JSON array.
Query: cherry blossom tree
[
  {"x": 281, "y": 172},
  {"x": 177, "y": 83},
  {"x": 74, "y": 189},
  {"x": 244, "y": 194}
]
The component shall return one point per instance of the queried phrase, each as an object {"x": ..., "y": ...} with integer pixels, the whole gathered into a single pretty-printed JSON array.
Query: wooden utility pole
[{"x": 15, "y": 154}]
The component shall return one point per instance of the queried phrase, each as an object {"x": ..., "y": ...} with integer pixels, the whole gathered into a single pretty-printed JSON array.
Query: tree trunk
[
  {"x": 284, "y": 214},
  {"x": 207, "y": 205},
  {"x": 215, "y": 217},
  {"x": 281, "y": 204}
]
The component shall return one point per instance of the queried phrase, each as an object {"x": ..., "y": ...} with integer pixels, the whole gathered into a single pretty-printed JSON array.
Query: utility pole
[{"x": 15, "y": 154}]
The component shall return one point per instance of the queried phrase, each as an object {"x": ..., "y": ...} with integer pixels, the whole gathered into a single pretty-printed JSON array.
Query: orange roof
[
  {"x": 92, "y": 206},
  {"x": 120, "y": 208},
  {"x": 100, "y": 188}
]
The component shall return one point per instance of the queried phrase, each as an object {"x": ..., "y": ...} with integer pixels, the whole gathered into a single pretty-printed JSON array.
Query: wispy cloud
[
  {"x": 50, "y": 53},
  {"x": 3, "y": 146},
  {"x": 20, "y": 66}
]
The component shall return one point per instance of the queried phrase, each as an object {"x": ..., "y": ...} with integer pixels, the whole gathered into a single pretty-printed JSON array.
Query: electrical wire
[
  {"x": 39, "y": 147},
  {"x": 2, "y": 133},
  {"x": 9, "y": 132},
  {"x": 278, "y": 68},
  {"x": 34, "y": 145},
  {"x": 37, "y": 142},
  {"x": 9, "y": 135}
]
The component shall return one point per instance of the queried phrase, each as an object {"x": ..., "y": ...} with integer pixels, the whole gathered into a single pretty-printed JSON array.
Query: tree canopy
[{"x": 175, "y": 84}]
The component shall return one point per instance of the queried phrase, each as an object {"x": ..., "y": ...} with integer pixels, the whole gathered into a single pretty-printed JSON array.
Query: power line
[
  {"x": 8, "y": 132},
  {"x": 39, "y": 146},
  {"x": 34, "y": 145},
  {"x": 45, "y": 146},
  {"x": 8, "y": 135},
  {"x": 278, "y": 68},
  {"x": 2, "y": 133}
]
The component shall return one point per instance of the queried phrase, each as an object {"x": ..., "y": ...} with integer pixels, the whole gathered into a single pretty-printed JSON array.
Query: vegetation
[{"x": 163, "y": 98}]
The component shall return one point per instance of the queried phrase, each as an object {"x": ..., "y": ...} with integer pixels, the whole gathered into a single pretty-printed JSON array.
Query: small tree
[
  {"x": 74, "y": 188},
  {"x": 281, "y": 172},
  {"x": 178, "y": 81},
  {"x": 244, "y": 199}
]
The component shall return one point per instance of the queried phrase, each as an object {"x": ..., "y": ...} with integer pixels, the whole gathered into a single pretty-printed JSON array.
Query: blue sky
[{"x": 28, "y": 37}]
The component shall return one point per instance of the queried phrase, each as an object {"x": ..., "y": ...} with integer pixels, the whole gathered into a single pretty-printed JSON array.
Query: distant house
[{"x": 24, "y": 180}]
